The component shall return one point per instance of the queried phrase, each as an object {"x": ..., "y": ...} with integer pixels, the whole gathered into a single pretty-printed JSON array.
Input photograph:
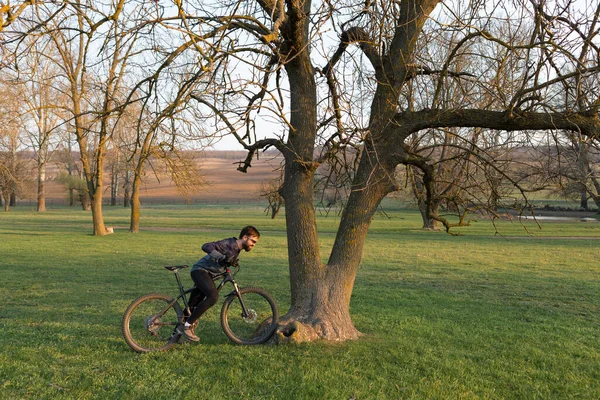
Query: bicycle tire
[
  {"x": 144, "y": 330},
  {"x": 256, "y": 329}
]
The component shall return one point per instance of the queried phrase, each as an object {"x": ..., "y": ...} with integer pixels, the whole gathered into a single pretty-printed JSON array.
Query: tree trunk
[
  {"x": 429, "y": 223},
  {"x": 305, "y": 320},
  {"x": 41, "y": 197},
  {"x": 134, "y": 224},
  {"x": 94, "y": 184},
  {"x": 114, "y": 184},
  {"x": 421, "y": 195},
  {"x": 583, "y": 204},
  {"x": 70, "y": 171},
  {"x": 126, "y": 189},
  {"x": 97, "y": 217},
  {"x": 596, "y": 195},
  {"x": 12, "y": 199},
  {"x": 95, "y": 188},
  {"x": 585, "y": 172},
  {"x": 321, "y": 293},
  {"x": 93, "y": 178},
  {"x": 114, "y": 190},
  {"x": 84, "y": 198},
  {"x": 275, "y": 207}
]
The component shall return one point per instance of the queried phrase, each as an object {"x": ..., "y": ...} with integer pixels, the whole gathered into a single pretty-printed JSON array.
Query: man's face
[{"x": 249, "y": 242}]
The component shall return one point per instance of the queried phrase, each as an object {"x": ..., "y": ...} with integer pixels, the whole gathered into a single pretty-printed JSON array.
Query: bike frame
[{"x": 227, "y": 277}]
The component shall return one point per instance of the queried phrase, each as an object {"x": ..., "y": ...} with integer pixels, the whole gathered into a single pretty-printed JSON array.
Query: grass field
[{"x": 472, "y": 317}]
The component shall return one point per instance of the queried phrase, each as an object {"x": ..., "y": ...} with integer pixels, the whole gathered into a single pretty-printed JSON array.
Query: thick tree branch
[
  {"x": 252, "y": 149},
  {"x": 276, "y": 11},
  {"x": 414, "y": 121}
]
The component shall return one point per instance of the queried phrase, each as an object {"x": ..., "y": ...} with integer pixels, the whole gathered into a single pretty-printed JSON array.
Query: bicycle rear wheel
[
  {"x": 255, "y": 327},
  {"x": 149, "y": 322}
]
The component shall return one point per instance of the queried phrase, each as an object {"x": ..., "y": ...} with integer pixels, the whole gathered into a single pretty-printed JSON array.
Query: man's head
[{"x": 249, "y": 237}]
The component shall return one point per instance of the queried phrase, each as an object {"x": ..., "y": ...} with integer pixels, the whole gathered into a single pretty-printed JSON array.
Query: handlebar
[{"x": 235, "y": 266}]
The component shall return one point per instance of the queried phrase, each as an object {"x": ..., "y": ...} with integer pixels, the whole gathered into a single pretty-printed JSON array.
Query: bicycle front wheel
[
  {"x": 257, "y": 325},
  {"x": 149, "y": 322}
]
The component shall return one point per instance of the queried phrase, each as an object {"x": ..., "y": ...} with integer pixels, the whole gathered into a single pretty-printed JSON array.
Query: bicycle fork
[{"x": 236, "y": 291}]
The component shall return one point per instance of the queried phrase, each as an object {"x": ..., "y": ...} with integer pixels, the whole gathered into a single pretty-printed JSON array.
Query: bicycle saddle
[{"x": 175, "y": 267}]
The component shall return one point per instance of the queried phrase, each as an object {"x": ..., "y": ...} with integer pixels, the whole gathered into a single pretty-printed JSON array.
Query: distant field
[
  {"x": 477, "y": 316},
  {"x": 226, "y": 185},
  {"x": 224, "y": 182}
]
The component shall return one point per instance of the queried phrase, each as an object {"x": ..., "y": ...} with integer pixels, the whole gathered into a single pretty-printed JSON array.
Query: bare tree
[
  {"x": 381, "y": 66},
  {"x": 13, "y": 168},
  {"x": 13, "y": 171},
  {"x": 574, "y": 168},
  {"x": 164, "y": 116},
  {"x": 122, "y": 146},
  {"x": 93, "y": 53},
  {"x": 113, "y": 57},
  {"x": 269, "y": 190},
  {"x": 66, "y": 161},
  {"x": 42, "y": 115},
  {"x": 158, "y": 134},
  {"x": 578, "y": 155}
]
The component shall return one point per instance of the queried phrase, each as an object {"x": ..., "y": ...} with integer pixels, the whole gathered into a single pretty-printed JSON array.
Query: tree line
[{"x": 78, "y": 76}]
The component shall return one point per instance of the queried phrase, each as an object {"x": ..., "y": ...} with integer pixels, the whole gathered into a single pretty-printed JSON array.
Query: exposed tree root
[{"x": 298, "y": 330}]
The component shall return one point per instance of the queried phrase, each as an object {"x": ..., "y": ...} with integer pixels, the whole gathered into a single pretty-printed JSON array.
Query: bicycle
[{"x": 248, "y": 315}]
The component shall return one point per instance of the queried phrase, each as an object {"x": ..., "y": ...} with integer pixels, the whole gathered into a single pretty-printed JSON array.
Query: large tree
[{"x": 383, "y": 67}]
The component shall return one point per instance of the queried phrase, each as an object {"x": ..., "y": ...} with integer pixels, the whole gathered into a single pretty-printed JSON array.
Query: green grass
[{"x": 472, "y": 316}]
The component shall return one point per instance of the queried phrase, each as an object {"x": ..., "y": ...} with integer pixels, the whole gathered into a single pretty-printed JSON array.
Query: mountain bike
[{"x": 248, "y": 316}]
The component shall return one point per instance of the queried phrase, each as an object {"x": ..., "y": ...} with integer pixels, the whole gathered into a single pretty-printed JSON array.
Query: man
[{"x": 219, "y": 255}]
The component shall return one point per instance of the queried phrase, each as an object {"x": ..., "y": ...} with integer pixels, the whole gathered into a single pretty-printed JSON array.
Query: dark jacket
[{"x": 226, "y": 247}]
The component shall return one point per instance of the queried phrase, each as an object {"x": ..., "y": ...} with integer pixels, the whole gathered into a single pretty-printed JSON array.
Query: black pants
[{"x": 204, "y": 297}]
